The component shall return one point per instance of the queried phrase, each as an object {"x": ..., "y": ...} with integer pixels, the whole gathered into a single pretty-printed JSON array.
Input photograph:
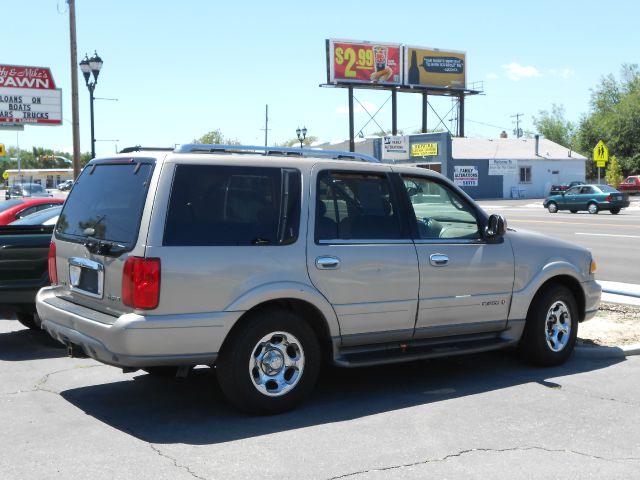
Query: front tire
[
  {"x": 270, "y": 364},
  {"x": 552, "y": 327},
  {"x": 552, "y": 207},
  {"x": 593, "y": 208}
]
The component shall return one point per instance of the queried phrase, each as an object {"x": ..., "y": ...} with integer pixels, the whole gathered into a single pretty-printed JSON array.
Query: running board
[{"x": 380, "y": 354}]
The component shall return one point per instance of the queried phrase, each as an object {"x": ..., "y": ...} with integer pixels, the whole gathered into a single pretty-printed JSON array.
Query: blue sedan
[{"x": 591, "y": 198}]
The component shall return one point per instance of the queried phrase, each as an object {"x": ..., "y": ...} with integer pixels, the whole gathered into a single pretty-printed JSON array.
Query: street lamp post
[
  {"x": 302, "y": 134},
  {"x": 91, "y": 66}
]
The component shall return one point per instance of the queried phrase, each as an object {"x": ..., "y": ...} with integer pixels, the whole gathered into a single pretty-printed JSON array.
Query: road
[
  {"x": 481, "y": 416},
  {"x": 612, "y": 239}
]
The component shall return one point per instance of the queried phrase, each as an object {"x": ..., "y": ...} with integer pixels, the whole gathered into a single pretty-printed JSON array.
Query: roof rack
[
  {"x": 138, "y": 148},
  {"x": 287, "y": 151}
]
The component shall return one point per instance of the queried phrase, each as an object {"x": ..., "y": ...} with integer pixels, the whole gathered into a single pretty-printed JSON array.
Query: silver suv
[{"x": 263, "y": 263}]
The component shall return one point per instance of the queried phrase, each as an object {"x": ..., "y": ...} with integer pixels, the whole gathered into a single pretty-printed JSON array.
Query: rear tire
[
  {"x": 29, "y": 320},
  {"x": 593, "y": 208},
  {"x": 614, "y": 210},
  {"x": 552, "y": 327},
  {"x": 552, "y": 207},
  {"x": 270, "y": 364}
]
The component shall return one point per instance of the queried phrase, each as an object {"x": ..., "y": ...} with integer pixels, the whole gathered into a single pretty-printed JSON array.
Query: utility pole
[
  {"x": 266, "y": 124},
  {"x": 517, "y": 131},
  {"x": 75, "y": 115}
]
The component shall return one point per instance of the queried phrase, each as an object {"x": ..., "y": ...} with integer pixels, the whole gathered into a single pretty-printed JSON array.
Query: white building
[
  {"x": 535, "y": 165},
  {"x": 47, "y": 177}
]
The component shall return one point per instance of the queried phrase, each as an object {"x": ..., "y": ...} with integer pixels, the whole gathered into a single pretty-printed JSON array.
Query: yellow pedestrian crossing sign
[{"x": 601, "y": 154}]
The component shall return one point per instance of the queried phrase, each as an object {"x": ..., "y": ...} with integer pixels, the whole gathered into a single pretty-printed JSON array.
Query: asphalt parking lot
[{"x": 479, "y": 416}]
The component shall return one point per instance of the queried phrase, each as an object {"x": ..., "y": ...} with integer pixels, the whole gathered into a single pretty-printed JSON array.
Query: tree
[
  {"x": 614, "y": 174},
  {"x": 554, "y": 127},
  {"x": 216, "y": 137},
  {"x": 614, "y": 118}
]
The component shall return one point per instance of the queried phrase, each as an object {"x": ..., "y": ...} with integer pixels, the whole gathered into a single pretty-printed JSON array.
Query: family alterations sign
[{"x": 28, "y": 95}]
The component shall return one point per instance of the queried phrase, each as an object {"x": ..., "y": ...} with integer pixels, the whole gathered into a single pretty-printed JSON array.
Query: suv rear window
[
  {"x": 224, "y": 206},
  {"x": 106, "y": 202}
]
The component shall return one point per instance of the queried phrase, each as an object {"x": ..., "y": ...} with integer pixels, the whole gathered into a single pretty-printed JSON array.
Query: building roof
[{"x": 510, "y": 148}]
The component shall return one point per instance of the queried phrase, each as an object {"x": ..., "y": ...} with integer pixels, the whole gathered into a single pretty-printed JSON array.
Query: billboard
[
  {"x": 431, "y": 67},
  {"x": 364, "y": 62},
  {"x": 28, "y": 95}
]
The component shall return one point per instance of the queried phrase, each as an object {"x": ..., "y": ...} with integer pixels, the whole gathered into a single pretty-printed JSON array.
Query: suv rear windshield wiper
[{"x": 104, "y": 247}]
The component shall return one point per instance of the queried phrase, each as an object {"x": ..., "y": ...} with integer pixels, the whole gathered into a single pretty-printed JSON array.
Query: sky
[{"x": 174, "y": 71}]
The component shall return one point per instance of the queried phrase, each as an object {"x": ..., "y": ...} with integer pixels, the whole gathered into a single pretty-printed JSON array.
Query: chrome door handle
[
  {"x": 439, "y": 260},
  {"x": 327, "y": 263}
]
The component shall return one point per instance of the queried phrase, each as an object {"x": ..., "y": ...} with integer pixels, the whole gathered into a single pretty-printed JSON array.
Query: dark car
[
  {"x": 26, "y": 190},
  {"x": 591, "y": 198},
  {"x": 563, "y": 187}
]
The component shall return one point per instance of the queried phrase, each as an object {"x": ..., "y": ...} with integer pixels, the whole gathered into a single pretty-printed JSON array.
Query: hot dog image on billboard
[{"x": 363, "y": 62}]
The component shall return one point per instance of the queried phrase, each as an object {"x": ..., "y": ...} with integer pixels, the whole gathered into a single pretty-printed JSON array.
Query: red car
[
  {"x": 16, "y": 208},
  {"x": 631, "y": 185}
]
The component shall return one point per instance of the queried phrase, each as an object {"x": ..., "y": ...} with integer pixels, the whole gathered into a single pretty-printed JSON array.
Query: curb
[{"x": 598, "y": 351}]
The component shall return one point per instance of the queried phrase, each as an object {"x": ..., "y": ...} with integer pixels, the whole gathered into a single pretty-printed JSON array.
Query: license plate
[{"x": 86, "y": 276}]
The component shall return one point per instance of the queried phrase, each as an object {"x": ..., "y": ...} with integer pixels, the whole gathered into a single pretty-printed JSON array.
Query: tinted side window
[
  {"x": 355, "y": 206},
  {"x": 439, "y": 211},
  {"x": 218, "y": 205}
]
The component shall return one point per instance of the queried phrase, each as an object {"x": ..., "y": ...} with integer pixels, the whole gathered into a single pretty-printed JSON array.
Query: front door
[
  {"x": 465, "y": 282},
  {"x": 360, "y": 257}
]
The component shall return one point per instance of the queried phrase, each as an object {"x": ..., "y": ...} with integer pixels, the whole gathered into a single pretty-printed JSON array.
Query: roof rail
[
  {"x": 300, "y": 152},
  {"x": 138, "y": 148}
]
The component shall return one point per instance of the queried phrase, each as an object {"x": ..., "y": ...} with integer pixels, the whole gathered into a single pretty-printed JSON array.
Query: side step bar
[{"x": 379, "y": 354}]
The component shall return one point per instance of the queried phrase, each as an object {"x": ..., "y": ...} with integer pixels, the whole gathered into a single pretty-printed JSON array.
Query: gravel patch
[{"x": 614, "y": 325}]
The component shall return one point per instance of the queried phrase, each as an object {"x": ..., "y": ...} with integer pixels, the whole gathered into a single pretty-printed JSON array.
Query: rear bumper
[{"x": 134, "y": 340}]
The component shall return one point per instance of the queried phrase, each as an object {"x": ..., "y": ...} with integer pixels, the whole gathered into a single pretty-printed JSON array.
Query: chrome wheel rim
[
  {"x": 558, "y": 326},
  {"x": 276, "y": 364},
  {"x": 593, "y": 208},
  {"x": 553, "y": 208}
]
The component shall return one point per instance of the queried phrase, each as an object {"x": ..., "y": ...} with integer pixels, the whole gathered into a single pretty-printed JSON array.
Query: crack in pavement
[
  {"x": 175, "y": 462},
  {"x": 39, "y": 386},
  {"x": 490, "y": 450},
  {"x": 584, "y": 393}
]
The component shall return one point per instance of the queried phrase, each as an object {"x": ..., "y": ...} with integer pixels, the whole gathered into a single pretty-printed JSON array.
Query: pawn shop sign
[{"x": 601, "y": 154}]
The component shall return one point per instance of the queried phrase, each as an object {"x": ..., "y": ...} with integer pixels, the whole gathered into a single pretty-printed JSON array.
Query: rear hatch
[{"x": 99, "y": 228}]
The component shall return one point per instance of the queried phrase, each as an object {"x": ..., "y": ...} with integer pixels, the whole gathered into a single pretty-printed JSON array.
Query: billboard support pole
[
  {"x": 425, "y": 104},
  {"x": 394, "y": 112},
  {"x": 352, "y": 143},
  {"x": 75, "y": 112},
  {"x": 461, "y": 116}
]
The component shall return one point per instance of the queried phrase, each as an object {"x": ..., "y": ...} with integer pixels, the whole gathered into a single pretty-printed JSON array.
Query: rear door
[
  {"x": 360, "y": 256},
  {"x": 465, "y": 282}
]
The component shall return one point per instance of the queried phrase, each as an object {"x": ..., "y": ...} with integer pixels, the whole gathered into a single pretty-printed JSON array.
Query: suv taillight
[
  {"x": 141, "y": 282},
  {"x": 51, "y": 263}
]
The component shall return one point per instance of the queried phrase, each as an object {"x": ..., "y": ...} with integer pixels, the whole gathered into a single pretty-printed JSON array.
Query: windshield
[
  {"x": 106, "y": 203},
  {"x": 39, "y": 218}
]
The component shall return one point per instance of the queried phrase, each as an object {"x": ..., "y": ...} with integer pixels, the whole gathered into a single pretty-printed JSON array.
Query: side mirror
[{"x": 496, "y": 227}]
